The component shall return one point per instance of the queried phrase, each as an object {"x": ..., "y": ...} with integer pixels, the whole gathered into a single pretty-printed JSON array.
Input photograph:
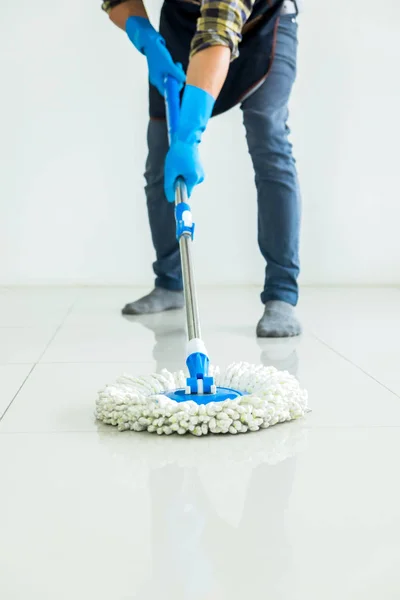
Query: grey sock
[
  {"x": 158, "y": 300},
  {"x": 279, "y": 320}
]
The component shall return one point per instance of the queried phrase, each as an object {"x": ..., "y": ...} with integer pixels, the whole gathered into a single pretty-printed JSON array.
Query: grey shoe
[
  {"x": 158, "y": 300},
  {"x": 278, "y": 321}
]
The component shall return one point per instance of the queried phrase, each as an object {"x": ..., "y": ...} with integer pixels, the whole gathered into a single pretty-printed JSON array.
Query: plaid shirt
[{"x": 220, "y": 23}]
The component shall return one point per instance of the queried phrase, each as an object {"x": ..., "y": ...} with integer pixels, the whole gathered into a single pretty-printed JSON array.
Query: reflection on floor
[{"x": 305, "y": 510}]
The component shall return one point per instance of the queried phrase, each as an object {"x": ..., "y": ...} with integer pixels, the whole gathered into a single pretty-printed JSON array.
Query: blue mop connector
[
  {"x": 200, "y": 386},
  {"x": 198, "y": 363},
  {"x": 184, "y": 220}
]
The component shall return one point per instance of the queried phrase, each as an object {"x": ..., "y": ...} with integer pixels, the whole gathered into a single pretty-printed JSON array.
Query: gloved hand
[
  {"x": 150, "y": 43},
  {"x": 182, "y": 160},
  {"x": 183, "y": 156}
]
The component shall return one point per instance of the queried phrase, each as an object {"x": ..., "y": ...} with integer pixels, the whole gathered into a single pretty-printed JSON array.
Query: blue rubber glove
[
  {"x": 150, "y": 43},
  {"x": 183, "y": 156}
]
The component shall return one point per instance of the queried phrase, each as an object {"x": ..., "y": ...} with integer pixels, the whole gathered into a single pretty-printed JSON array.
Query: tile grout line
[
  {"x": 17, "y": 392},
  {"x": 38, "y": 360},
  {"x": 355, "y": 365},
  {"x": 69, "y": 310}
]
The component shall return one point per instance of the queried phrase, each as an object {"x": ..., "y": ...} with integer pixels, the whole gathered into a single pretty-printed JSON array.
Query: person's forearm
[
  {"x": 208, "y": 69},
  {"x": 131, "y": 8}
]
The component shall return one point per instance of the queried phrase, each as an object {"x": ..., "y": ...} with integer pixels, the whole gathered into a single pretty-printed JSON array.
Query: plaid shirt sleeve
[
  {"x": 107, "y": 5},
  {"x": 220, "y": 24}
]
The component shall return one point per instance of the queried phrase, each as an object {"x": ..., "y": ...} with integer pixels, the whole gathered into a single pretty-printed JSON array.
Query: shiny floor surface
[{"x": 304, "y": 511}]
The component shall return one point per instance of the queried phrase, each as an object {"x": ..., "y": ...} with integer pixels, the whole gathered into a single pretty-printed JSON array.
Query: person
[{"x": 222, "y": 52}]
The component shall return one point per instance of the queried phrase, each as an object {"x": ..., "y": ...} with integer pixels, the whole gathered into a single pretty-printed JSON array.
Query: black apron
[{"x": 256, "y": 50}]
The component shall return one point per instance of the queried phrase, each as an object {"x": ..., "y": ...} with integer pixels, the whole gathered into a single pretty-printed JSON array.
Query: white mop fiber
[{"x": 139, "y": 403}]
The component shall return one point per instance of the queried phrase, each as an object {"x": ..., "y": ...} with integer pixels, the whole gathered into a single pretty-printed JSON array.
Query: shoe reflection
[
  {"x": 280, "y": 353},
  {"x": 169, "y": 351}
]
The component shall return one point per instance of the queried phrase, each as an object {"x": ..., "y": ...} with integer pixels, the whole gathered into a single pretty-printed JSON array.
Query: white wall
[{"x": 72, "y": 147}]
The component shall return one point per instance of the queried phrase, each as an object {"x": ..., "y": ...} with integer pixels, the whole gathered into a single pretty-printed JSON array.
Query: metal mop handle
[
  {"x": 185, "y": 226},
  {"x": 189, "y": 287}
]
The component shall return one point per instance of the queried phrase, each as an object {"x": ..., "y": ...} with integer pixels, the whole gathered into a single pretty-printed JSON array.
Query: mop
[{"x": 239, "y": 399}]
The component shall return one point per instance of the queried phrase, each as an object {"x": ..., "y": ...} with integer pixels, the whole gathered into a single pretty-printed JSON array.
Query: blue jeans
[{"x": 265, "y": 115}]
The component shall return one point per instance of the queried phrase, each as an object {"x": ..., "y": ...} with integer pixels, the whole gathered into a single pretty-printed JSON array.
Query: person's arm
[
  {"x": 121, "y": 12},
  {"x": 131, "y": 16},
  {"x": 214, "y": 45},
  {"x": 216, "y": 42},
  {"x": 208, "y": 69}
]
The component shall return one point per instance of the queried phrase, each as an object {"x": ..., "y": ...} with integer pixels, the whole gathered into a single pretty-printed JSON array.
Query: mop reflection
[
  {"x": 218, "y": 513},
  {"x": 217, "y": 506}
]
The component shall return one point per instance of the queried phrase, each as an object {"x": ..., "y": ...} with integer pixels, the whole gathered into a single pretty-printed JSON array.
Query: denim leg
[
  {"x": 265, "y": 115},
  {"x": 167, "y": 266}
]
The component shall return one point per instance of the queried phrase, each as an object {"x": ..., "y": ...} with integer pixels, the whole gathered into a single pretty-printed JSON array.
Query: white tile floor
[{"x": 304, "y": 511}]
